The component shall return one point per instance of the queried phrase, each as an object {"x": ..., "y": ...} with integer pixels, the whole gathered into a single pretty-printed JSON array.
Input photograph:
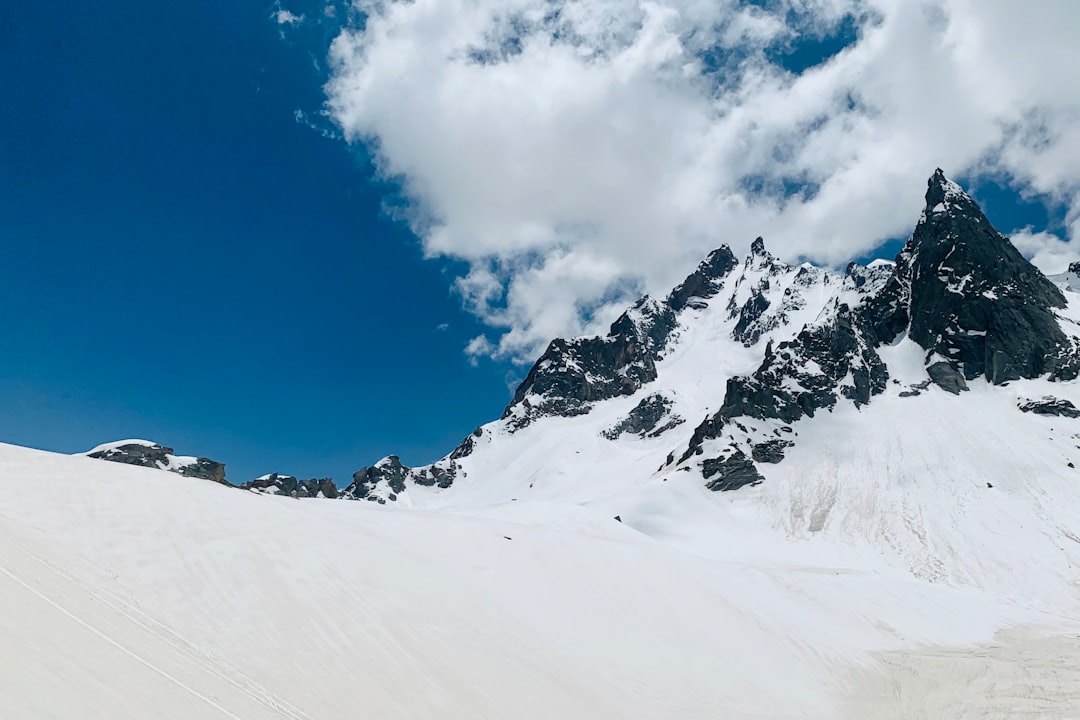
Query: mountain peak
[
  {"x": 973, "y": 298},
  {"x": 943, "y": 194}
]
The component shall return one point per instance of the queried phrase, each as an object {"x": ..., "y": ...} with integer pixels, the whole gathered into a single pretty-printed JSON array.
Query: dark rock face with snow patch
[
  {"x": 1050, "y": 405},
  {"x": 770, "y": 451},
  {"x": 143, "y": 455},
  {"x": 152, "y": 455},
  {"x": 947, "y": 377},
  {"x": 393, "y": 474},
  {"x": 974, "y": 300},
  {"x": 274, "y": 484},
  {"x": 573, "y": 374},
  {"x": 730, "y": 471},
  {"x": 835, "y": 359},
  {"x": 650, "y": 417},
  {"x": 705, "y": 281}
]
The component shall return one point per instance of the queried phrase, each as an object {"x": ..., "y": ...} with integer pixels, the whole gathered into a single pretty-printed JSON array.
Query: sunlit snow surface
[{"x": 917, "y": 557}]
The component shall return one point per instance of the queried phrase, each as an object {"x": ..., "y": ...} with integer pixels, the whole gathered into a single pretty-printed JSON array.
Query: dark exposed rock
[
  {"x": 573, "y": 374},
  {"x": 152, "y": 455},
  {"x": 757, "y": 315},
  {"x": 466, "y": 446},
  {"x": 834, "y": 359},
  {"x": 730, "y": 472},
  {"x": 144, "y": 455},
  {"x": 973, "y": 298},
  {"x": 391, "y": 473},
  {"x": 770, "y": 451},
  {"x": 747, "y": 331},
  {"x": 275, "y": 484},
  {"x": 1074, "y": 268},
  {"x": 435, "y": 475},
  {"x": 205, "y": 469},
  {"x": 946, "y": 377},
  {"x": 705, "y": 281},
  {"x": 1050, "y": 405},
  {"x": 959, "y": 289},
  {"x": 647, "y": 418}
]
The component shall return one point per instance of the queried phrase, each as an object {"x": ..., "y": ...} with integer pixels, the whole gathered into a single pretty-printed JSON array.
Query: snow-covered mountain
[
  {"x": 719, "y": 377},
  {"x": 780, "y": 491}
]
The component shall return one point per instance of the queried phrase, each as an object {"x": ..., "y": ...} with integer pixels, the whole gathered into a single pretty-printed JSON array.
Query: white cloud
[
  {"x": 1047, "y": 252},
  {"x": 578, "y": 152},
  {"x": 285, "y": 17}
]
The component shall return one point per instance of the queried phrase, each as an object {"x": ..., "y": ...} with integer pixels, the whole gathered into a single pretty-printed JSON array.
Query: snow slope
[{"x": 163, "y": 596}]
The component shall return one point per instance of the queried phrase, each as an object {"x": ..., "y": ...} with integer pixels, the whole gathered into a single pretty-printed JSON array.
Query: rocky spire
[{"x": 973, "y": 300}]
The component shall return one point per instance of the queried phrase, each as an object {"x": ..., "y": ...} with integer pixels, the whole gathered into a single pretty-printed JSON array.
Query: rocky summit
[
  {"x": 275, "y": 484},
  {"x": 149, "y": 454}
]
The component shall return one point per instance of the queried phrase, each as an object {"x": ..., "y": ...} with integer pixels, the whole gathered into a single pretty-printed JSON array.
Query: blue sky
[{"x": 184, "y": 261}]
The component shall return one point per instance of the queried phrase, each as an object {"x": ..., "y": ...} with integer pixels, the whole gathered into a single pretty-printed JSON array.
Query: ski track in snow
[{"x": 89, "y": 621}]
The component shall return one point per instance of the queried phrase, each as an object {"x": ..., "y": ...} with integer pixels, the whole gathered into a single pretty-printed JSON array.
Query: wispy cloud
[
  {"x": 577, "y": 152},
  {"x": 321, "y": 126}
]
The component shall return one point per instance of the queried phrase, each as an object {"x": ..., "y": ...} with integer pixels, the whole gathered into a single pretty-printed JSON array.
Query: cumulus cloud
[{"x": 576, "y": 153}]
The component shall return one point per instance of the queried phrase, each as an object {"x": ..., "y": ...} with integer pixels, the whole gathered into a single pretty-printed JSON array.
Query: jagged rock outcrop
[
  {"x": 835, "y": 358},
  {"x": 1050, "y": 405},
  {"x": 730, "y": 471},
  {"x": 959, "y": 288},
  {"x": 391, "y": 473},
  {"x": 573, "y": 374},
  {"x": 149, "y": 454},
  {"x": 386, "y": 479},
  {"x": 650, "y": 417},
  {"x": 770, "y": 451},
  {"x": 275, "y": 484}
]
